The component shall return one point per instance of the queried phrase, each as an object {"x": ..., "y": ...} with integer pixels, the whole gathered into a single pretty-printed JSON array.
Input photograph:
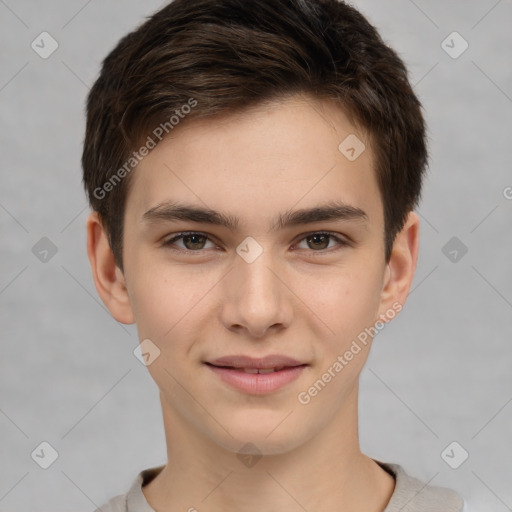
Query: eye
[
  {"x": 192, "y": 241},
  {"x": 319, "y": 241}
]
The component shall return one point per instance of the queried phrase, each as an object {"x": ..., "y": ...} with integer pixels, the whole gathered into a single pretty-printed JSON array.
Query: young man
[{"x": 252, "y": 169}]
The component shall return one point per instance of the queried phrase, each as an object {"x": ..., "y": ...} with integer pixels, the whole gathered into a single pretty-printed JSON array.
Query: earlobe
[
  {"x": 400, "y": 269},
  {"x": 108, "y": 278}
]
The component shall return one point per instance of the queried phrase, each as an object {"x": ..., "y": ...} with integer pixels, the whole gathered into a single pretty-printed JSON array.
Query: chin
[{"x": 271, "y": 436}]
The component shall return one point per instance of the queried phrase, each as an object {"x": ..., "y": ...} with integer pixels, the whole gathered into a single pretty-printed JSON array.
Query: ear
[
  {"x": 108, "y": 277},
  {"x": 400, "y": 269}
]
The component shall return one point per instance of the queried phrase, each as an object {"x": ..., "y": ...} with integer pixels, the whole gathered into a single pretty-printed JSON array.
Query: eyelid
[
  {"x": 169, "y": 240},
  {"x": 342, "y": 241}
]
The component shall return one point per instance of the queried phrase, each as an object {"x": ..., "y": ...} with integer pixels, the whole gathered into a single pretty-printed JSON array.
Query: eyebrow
[{"x": 331, "y": 211}]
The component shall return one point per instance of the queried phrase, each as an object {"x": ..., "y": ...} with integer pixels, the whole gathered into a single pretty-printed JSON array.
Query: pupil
[
  {"x": 316, "y": 237},
  {"x": 191, "y": 237}
]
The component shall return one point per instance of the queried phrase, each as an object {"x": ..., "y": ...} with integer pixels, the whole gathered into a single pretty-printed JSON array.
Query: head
[{"x": 273, "y": 121}]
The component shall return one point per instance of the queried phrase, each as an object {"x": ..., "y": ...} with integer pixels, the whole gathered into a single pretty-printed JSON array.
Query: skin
[{"x": 302, "y": 298}]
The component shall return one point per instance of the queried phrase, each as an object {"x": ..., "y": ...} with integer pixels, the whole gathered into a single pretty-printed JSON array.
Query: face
[{"x": 269, "y": 271}]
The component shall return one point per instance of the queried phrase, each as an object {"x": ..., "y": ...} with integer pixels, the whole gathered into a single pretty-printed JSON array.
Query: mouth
[
  {"x": 254, "y": 370},
  {"x": 256, "y": 376}
]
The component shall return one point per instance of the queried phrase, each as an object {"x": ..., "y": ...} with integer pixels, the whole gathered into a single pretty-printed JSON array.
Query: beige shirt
[{"x": 410, "y": 494}]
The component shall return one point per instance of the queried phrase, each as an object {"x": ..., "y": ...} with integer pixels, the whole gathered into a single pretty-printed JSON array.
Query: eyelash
[{"x": 342, "y": 243}]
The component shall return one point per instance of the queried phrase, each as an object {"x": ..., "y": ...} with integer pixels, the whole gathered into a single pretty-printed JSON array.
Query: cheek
[
  {"x": 166, "y": 299},
  {"x": 158, "y": 306},
  {"x": 347, "y": 301}
]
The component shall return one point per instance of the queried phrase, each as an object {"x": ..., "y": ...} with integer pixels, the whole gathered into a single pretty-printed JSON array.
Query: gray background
[{"x": 440, "y": 372}]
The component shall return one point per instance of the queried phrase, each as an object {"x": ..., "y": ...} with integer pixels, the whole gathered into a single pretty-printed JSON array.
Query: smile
[{"x": 257, "y": 381}]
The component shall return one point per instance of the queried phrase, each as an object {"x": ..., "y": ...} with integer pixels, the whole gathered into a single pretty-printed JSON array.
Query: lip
[
  {"x": 243, "y": 361},
  {"x": 230, "y": 369}
]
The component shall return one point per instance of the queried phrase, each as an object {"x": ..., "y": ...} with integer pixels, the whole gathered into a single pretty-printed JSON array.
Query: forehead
[{"x": 296, "y": 151}]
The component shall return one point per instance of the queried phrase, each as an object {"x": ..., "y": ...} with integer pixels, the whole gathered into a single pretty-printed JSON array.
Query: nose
[{"x": 257, "y": 298}]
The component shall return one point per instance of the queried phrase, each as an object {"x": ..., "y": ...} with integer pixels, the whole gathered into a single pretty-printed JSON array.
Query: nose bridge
[
  {"x": 256, "y": 270},
  {"x": 258, "y": 297}
]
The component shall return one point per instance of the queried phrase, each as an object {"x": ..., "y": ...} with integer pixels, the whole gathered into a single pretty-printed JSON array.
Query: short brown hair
[{"x": 227, "y": 55}]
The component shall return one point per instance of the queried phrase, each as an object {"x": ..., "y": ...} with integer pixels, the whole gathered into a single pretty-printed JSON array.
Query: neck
[{"x": 328, "y": 473}]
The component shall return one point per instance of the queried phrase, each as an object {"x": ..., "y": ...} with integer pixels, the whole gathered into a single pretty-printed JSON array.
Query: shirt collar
[{"x": 136, "y": 501}]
